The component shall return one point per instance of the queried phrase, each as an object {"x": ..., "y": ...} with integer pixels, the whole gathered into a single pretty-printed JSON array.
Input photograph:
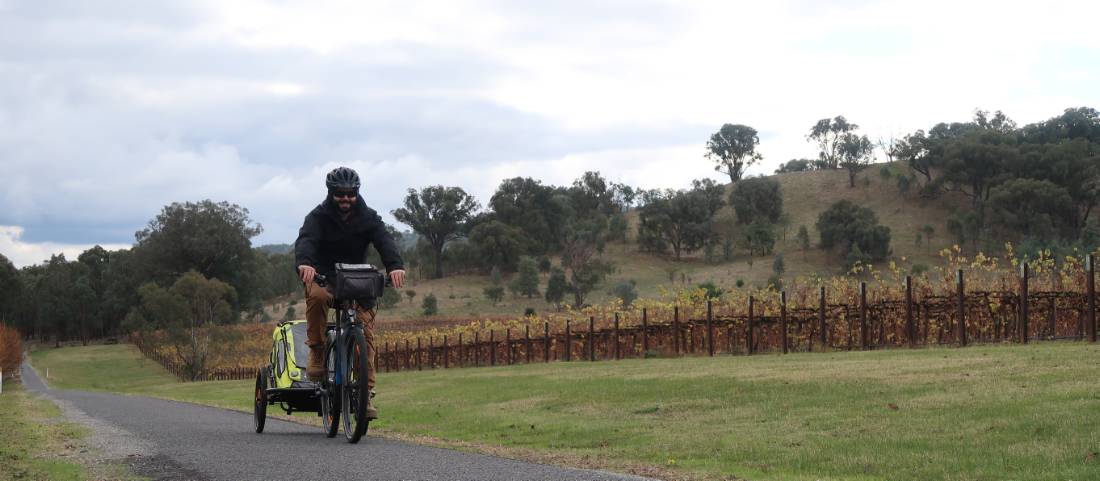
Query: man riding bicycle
[{"x": 339, "y": 230}]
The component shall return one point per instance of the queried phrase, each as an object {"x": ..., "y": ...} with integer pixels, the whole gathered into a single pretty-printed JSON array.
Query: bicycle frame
[{"x": 344, "y": 328}]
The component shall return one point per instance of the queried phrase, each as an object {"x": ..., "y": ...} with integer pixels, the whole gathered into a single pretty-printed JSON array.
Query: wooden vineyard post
[
  {"x": 408, "y": 358},
  {"x": 386, "y": 356},
  {"x": 492, "y": 347},
  {"x": 419, "y": 348},
  {"x": 710, "y": 329},
  {"x": 1090, "y": 285},
  {"x": 1052, "y": 317},
  {"x": 862, "y": 315},
  {"x": 645, "y": 332},
  {"x": 676, "y": 328},
  {"x": 508, "y": 346},
  {"x": 527, "y": 341},
  {"x": 748, "y": 329},
  {"x": 618, "y": 355},
  {"x": 592, "y": 338},
  {"x": 783, "y": 319},
  {"x": 568, "y": 340},
  {"x": 477, "y": 348},
  {"x": 691, "y": 337},
  {"x": 546, "y": 341},
  {"x": 431, "y": 352},
  {"x": 821, "y": 318},
  {"x": 395, "y": 360},
  {"x": 461, "y": 352},
  {"x": 922, "y": 308},
  {"x": 729, "y": 338},
  {"x": 961, "y": 284},
  {"x": 446, "y": 354},
  {"x": 1022, "y": 321},
  {"x": 910, "y": 332}
]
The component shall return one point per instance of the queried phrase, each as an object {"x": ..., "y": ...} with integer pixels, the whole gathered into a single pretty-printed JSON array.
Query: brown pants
[{"x": 318, "y": 302}]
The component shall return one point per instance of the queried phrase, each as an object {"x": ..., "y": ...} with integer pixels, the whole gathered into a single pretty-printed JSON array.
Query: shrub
[
  {"x": 11, "y": 350},
  {"x": 626, "y": 291},
  {"x": 430, "y": 306},
  {"x": 713, "y": 291},
  {"x": 390, "y": 298},
  {"x": 526, "y": 282},
  {"x": 846, "y": 226},
  {"x": 758, "y": 199},
  {"x": 795, "y": 165},
  {"x": 494, "y": 293},
  {"x": 556, "y": 287},
  {"x": 885, "y": 172}
]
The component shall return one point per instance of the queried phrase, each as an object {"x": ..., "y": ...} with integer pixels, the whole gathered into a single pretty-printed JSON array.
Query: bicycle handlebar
[{"x": 322, "y": 280}]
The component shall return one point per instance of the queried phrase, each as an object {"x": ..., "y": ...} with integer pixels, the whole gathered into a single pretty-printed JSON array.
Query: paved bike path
[{"x": 177, "y": 441}]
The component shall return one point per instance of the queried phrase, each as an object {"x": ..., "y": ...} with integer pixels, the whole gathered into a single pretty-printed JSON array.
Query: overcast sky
[{"x": 111, "y": 110}]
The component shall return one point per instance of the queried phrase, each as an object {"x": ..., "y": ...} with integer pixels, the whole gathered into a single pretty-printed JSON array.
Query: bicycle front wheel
[{"x": 354, "y": 392}]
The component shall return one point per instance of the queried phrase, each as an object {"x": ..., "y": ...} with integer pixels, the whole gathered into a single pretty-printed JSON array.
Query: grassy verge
[
  {"x": 981, "y": 413},
  {"x": 37, "y": 445}
]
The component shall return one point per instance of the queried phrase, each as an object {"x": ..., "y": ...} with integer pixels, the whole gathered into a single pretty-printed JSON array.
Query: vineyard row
[{"x": 757, "y": 325}]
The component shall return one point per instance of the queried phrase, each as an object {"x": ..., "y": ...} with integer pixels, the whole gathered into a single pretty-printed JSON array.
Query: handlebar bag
[{"x": 358, "y": 281}]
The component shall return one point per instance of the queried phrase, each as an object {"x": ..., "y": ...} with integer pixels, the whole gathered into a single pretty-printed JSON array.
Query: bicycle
[{"x": 344, "y": 391}]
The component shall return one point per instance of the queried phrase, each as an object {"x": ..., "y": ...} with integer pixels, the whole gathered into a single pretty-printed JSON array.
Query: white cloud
[
  {"x": 24, "y": 254},
  {"x": 253, "y": 101}
]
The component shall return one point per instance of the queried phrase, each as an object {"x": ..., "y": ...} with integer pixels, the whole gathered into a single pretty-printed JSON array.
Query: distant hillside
[
  {"x": 276, "y": 248},
  {"x": 805, "y": 196}
]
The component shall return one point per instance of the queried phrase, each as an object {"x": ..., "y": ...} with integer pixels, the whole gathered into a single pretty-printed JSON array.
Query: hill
[
  {"x": 276, "y": 248},
  {"x": 805, "y": 196}
]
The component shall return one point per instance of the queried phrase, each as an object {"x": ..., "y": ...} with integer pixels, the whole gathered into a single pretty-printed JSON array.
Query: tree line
[
  {"x": 525, "y": 223},
  {"x": 192, "y": 265},
  {"x": 1036, "y": 185}
]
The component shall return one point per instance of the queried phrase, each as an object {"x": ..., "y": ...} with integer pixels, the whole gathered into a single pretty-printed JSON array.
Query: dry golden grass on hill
[{"x": 805, "y": 196}]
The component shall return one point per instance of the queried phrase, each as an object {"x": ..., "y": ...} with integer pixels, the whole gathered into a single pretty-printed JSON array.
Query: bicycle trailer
[
  {"x": 290, "y": 355},
  {"x": 283, "y": 382}
]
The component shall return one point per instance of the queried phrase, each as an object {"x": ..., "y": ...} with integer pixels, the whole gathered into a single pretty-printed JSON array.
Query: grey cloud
[{"x": 87, "y": 159}]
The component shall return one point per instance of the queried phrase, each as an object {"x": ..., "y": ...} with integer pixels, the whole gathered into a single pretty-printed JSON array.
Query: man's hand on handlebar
[
  {"x": 307, "y": 273},
  {"x": 398, "y": 278}
]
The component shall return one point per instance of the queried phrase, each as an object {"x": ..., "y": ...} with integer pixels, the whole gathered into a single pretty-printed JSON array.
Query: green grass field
[
  {"x": 36, "y": 443},
  {"x": 29, "y": 436},
  {"x": 980, "y": 413}
]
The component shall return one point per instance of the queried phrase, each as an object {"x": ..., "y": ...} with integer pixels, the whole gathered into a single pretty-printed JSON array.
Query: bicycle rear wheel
[
  {"x": 259, "y": 401},
  {"x": 354, "y": 392},
  {"x": 330, "y": 394}
]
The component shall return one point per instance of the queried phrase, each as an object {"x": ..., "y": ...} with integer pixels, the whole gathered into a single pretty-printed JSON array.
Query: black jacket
[{"x": 324, "y": 239}]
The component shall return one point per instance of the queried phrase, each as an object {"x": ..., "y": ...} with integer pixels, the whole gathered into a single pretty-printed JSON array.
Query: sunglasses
[{"x": 344, "y": 195}]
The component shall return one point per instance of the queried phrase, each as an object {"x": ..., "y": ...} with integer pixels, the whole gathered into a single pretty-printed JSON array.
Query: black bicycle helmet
[{"x": 342, "y": 178}]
